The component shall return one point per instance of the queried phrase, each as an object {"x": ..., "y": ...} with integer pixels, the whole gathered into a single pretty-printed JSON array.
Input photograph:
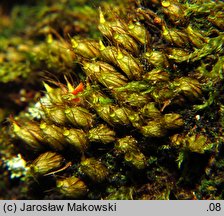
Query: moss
[{"x": 136, "y": 110}]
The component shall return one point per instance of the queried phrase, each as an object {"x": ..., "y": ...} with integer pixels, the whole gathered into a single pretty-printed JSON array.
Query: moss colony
[{"x": 112, "y": 100}]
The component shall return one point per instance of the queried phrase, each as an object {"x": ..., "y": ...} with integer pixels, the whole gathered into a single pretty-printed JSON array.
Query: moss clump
[{"x": 141, "y": 106}]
